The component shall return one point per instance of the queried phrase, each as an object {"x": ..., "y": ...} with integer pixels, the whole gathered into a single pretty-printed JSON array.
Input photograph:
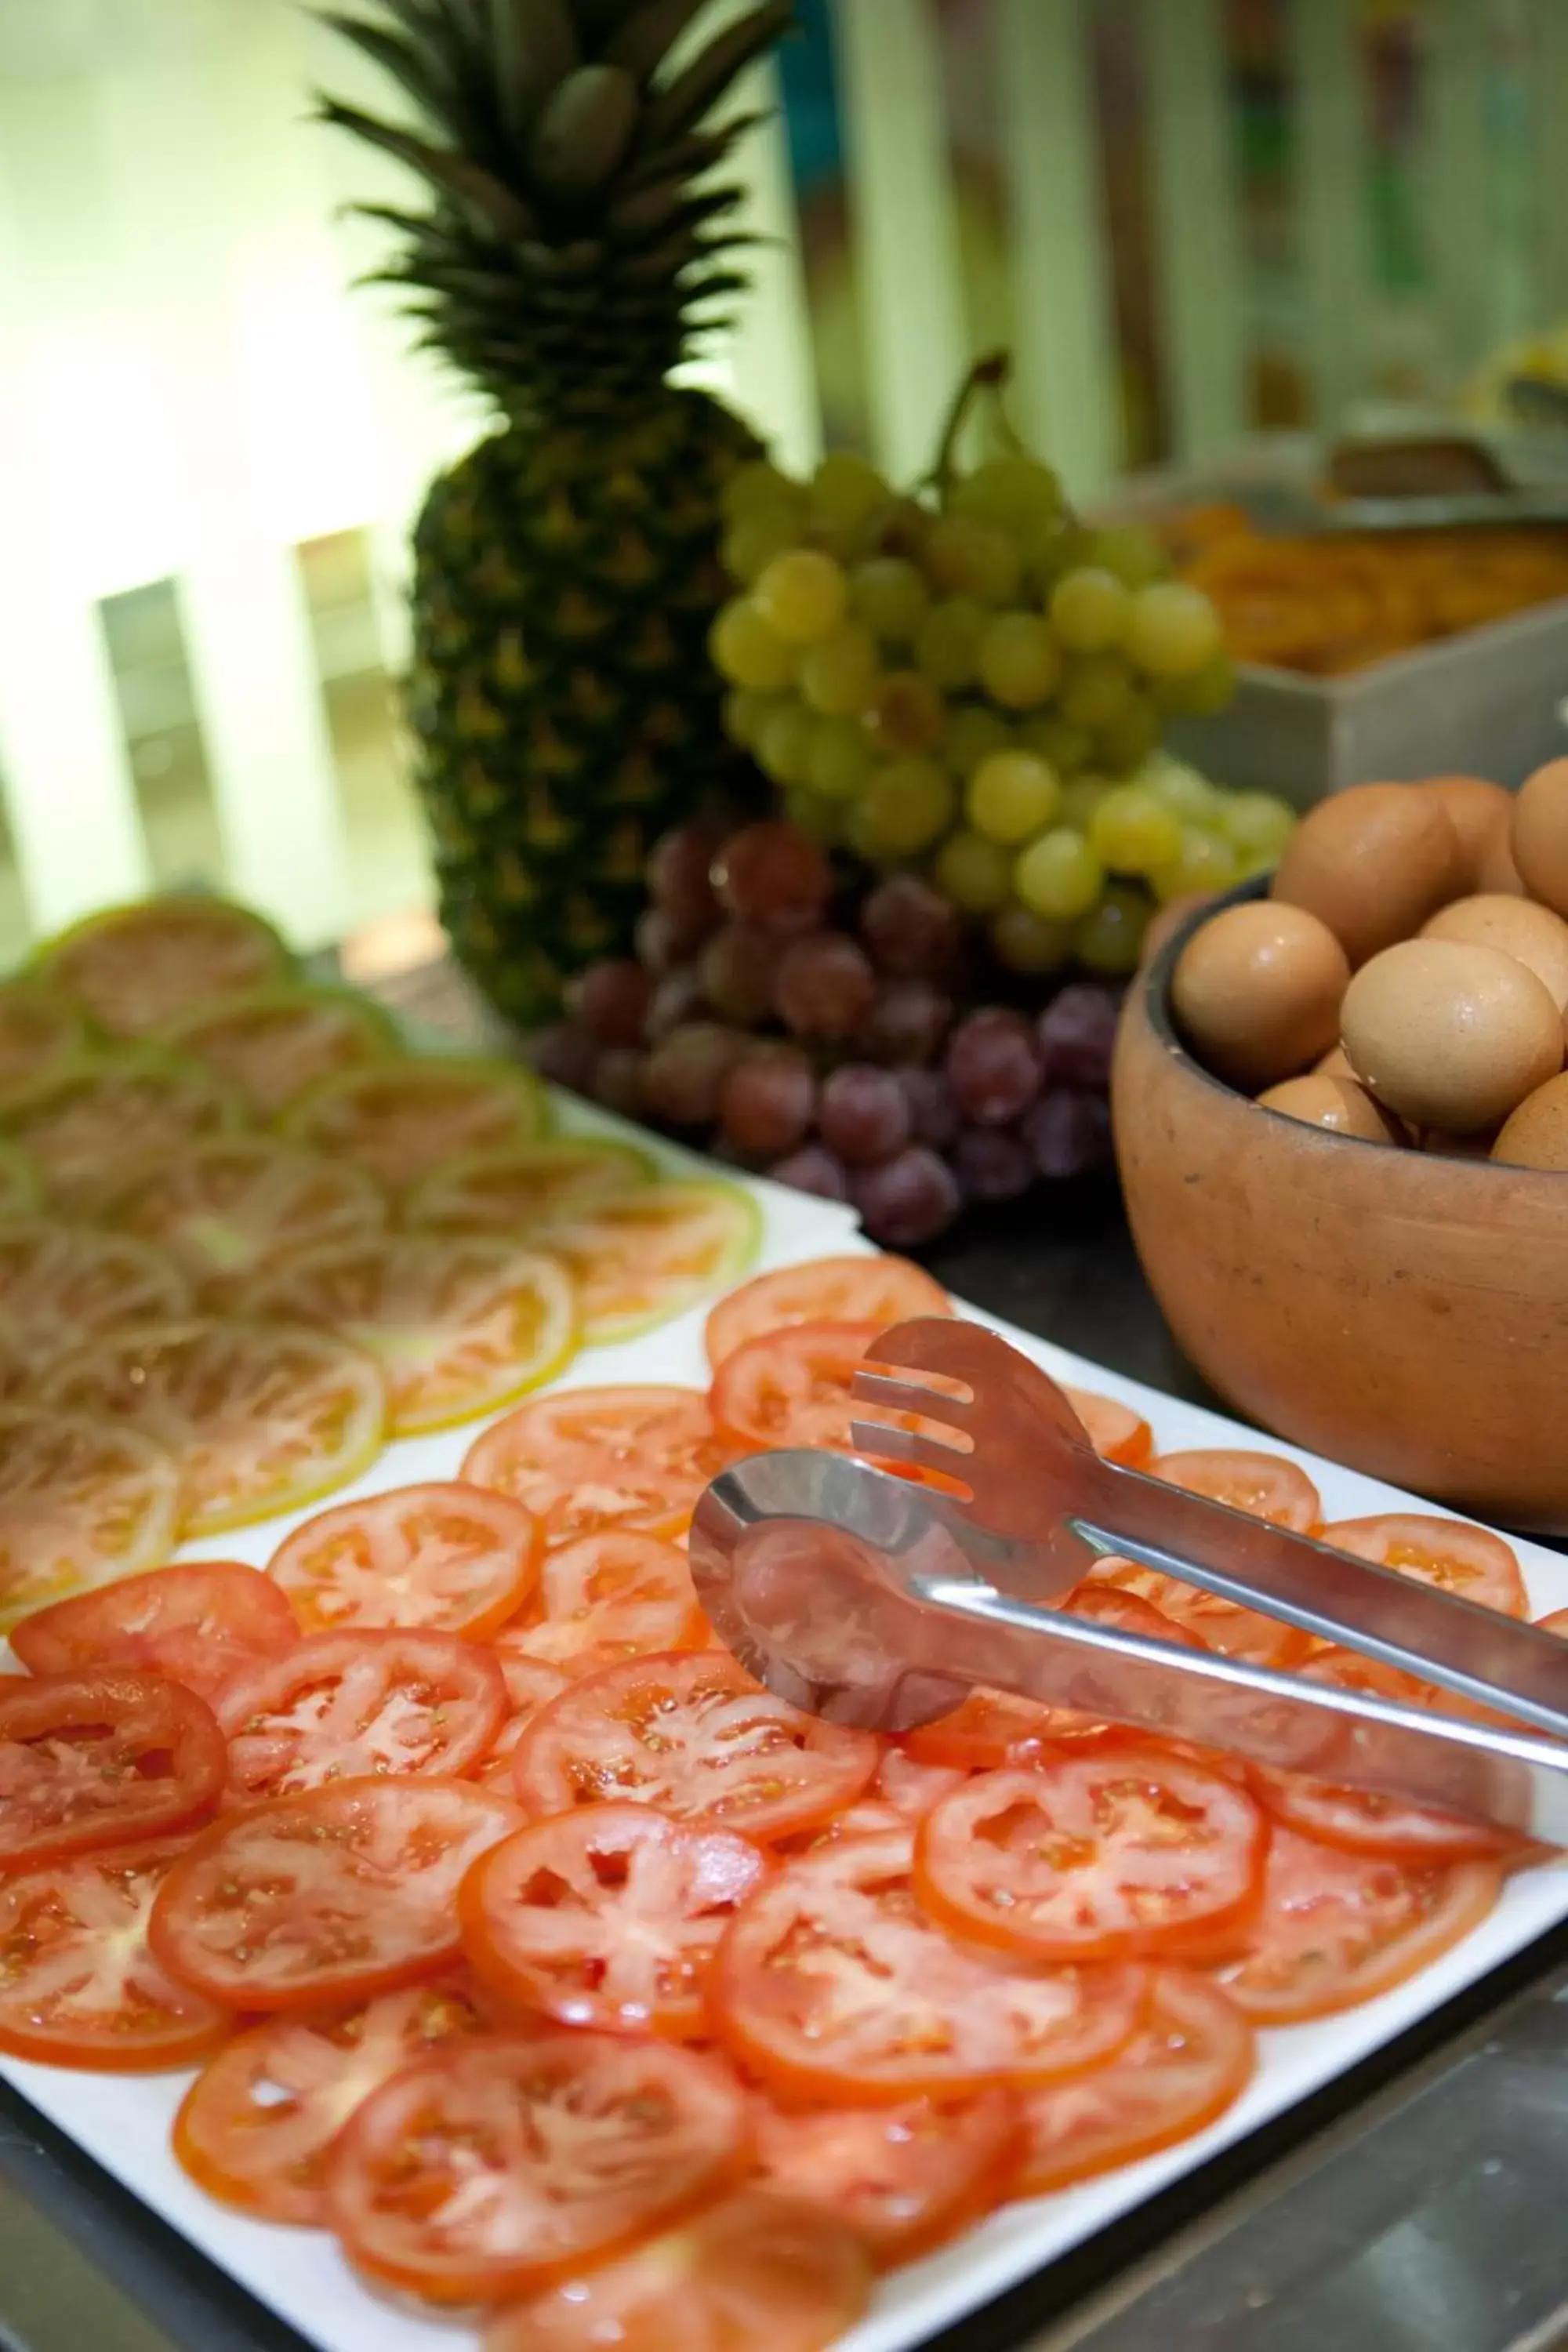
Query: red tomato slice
[
  {"x": 255, "y": 2128},
  {"x": 79, "y": 1986},
  {"x": 608, "y": 1597},
  {"x": 136, "y": 967},
  {"x": 903, "y": 2178},
  {"x": 340, "y": 1706},
  {"x": 794, "y": 1387},
  {"x": 880, "y": 1291},
  {"x": 757, "y": 2270},
  {"x": 501, "y": 2164},
  {"x": 1267, "y": 1485},
  {"x": 444, "y": 1558},
  {"x": 60, "y": 1285},
  {"x": 79, "y": 1502},
  {"x": 1339, "y": 1928},
  {"x": 833, "y": 1985},
  {"x": 608, "y": 1917},
  {"x": 1112, "y": 1852},
  {"x": 530, "y": 1686},
  {"x": 1202, "y": 1617},
  {"x": 586, "y": 1459},
  {"x": 99, "y": 1760},
  {"x": 273, "y": 1043},
  {"x": 1114, "y": 1429},
  {"x": 910, "y": 1786},
  {"x": 691, "y": 1733},
  {"x": 1190, "y": 2059},
  {"x": 199, "y": 1625},
  {"x": 1450, "y": 1553},
  {"x": 400, "y": 1120},
  {"x": 225, "y": 1211}
]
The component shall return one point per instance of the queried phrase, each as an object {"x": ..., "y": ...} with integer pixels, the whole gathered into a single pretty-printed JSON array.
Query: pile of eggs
[{"x": 1405, "y": 980}]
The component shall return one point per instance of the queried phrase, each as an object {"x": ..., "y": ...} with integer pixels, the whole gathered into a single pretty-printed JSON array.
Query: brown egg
[
  {"x": 1372, "y": 862},
  {"x": 1335, "y": 1064},
  {"x": 1536, "y": 1134},
  {"x": 1497, "y": 874},
  {"x": 1533, "y": 935},
  {"x": 1449, "y": 1035},
  {"x": 1257, "y": 992},
  {"x": 1339, "y": 1104},
  {"x": 1475, "y": 809},
  {"x": 1540, "y": 835},
  {"x": 1458, "y": 1147},
  {"x": 1169, "y": 920}
]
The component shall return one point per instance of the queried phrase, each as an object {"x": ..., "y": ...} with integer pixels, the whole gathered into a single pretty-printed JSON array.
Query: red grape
[
  {"x": 677, "y": 998},
  {"x": 909, "y": 1199},
  {"x": 664, "y": 942},
  {"x": 932, "y": 1118},
  {"x": 737, "y": 967},
  {"x": 773, "y": 875},
  {"x": 813, "y": 1168},
  {"x": 911, "y": 929},
  {"x": 767, "y": 1102},
  {"x": 564, "y": 1053},
  {"x": 1068, "y": 1131},
  {"x": 909, "y": 1021},
  {"x": 992, "y": 1163},
  {"x": 991, "y": 1066},
  {"x": 824, "y": 986},
  {"x": 618, "y": 1080},
  {"x": 677, "y": 875},
  {"x": 1076, "y": 1034},
  {"x": 613, "y": 999},
  {"x": 864, "y": 1114},
  {"x": 682, "y": 1075}
]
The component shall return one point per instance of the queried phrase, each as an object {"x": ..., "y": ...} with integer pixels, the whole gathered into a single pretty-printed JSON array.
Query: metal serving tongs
[{"x": 863, "y": 1596}]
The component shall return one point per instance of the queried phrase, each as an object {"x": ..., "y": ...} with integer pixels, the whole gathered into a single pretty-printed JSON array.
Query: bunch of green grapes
[{"x": 976, "y": 687}]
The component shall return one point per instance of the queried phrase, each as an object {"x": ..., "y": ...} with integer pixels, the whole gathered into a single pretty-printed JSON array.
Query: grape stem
[{"x": 987, "y": 379}]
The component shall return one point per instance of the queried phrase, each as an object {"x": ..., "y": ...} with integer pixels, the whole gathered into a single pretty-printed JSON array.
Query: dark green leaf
[
  {"x": 648, "y": 35},
  {"x": 474, "y": 190},
  {"x": 584, "y": 131},
  {"x": 683, "y": 105},
  {"x": 689, "y": 157},
  {"x": 535, "y": 48}
]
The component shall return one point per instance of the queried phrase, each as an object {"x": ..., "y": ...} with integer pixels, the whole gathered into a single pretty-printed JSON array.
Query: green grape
[
  {"x": 1132, "y": 832},
  {"x": 1016, "y": 494},
  {"x": 1020, "y": 663},
  {"x": 1257, "y": 825},
  {"x": 905, "y": 714},
  {"x": 1026, "y": 942},
  {"x": 1135, "y": 556},
  {"x": 1058, "y": 875},
  {"x": 1052, "y": 549},
  {"x": 845, "y": 491},
  {"x": 1012, "y": 796},
  {"x": 783, "y": 742},
  {"x": 820, "y": 820},
  {"x": 1108, "y": 938},
  {"x": 744, "y": 711},
  {"x": 1205, "y": 863},
  {"x": 947, "y": 643},
  {"x": 973, "y": 731},
  {"x": 802, "y": 594},
  {"x": 759, "y": 487},
  {"x": 965, "y": 557},
  {"x": 1131, "y": 735},
  {"x": 906, "y": 805},
  {"x": 1082, "y": 796},
  {"x": 839, "y": 760},
  {"x": 1090, "y": 610},
  {"x": 1181, "y": 788},
  {"x": 1067, "y": 749},
  {"x": 1096, "y": 690},
  {"x": 751, "y": 543},
  {"x": 747, "y": 652},
  {"x": 889, "y": 596},
  {"x": 838, "y": 673},
  {"x": 975, "y": 873},
  {"x": 1206, "y": 691},
  {"x": 1174, "y": 630}
]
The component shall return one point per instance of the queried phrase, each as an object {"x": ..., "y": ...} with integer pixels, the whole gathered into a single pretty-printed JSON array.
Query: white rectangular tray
[{"x": 125, "y": 2122}]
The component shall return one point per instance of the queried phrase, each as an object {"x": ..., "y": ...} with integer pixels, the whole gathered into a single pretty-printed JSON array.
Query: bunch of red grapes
[{"x": 773, "y": 1016}]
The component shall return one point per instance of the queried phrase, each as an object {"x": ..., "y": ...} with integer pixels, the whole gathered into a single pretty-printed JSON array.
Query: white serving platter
[{"x": 123, "y": 2122}]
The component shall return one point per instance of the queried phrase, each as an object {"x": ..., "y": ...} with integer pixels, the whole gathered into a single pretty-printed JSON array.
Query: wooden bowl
[{"x": 1402, "y": 1312}]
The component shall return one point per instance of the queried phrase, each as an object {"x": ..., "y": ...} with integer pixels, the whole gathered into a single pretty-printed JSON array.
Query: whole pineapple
[{"x": 566, "y": 572}]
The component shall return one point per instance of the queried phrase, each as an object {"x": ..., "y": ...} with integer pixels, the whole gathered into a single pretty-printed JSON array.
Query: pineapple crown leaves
[{"x": 574, "y": 240}]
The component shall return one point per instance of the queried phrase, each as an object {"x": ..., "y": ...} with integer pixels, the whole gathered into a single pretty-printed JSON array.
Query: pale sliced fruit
[
  {"x": 650, "y": 1255},
  {"x": 459, "y": 1323},
  {"x": 21, "y": 1186},
  {"x": 403, "y": 1121},
  {"x": 262, "y": 1417},
  {"x": 137, "y": 968},
  {"x": 61, "y": 1284},
  {"x": 230, "y": 1211},
  {"x": 81, "y": 1503},
  {"x": 40, "y": 1036},
  {"x": 108, "y": 1123},
  {"x": 277, "y": 1043},
  {"x": 518, "y": 1188}
]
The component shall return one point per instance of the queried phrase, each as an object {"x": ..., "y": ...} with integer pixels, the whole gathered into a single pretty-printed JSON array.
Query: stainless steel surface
[{"x": 1469, "y": 510}]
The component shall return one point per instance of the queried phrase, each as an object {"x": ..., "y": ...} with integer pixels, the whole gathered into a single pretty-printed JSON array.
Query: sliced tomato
[
  {"x": 274, "y": 1043},
  {"x": 1189, "y": 2061},
  {"x": 255, "y": 2126},
  {"x": 41, "y": 1034},
  {"x": 652, "y": 1253},
  {"x": 1267, "y": 1485},
  {"x": 1114, "y": 1429},
  {"x": 903, "y": 2178},
  {"x": 691, "y": 1733},
  {"x": 79, "y": 1502},
  {"x": 608, "y": 1916},
  {"x": 758, "y": 2269},
  {"x": 605, "y": 1598},
  {"x": 104, "y": 1124},
  {"x": 1119, "y": 1851},
  {"x": 99, "y": 1760},
  {"x": 834, "y": 1985},
  {"x": 60, "y": 1285},
  {"x": 79, "y": 1986},
  {"x": 793, "y": 1387},
  {"x": 402, "y": 1120},
  {"x": 910, "y": 1786},
  {"x": 878, "y": 1290},
  {"x": 514, "y": 1190},
  {"x": 444, "y": 1557},
  {"x": 21, "y": 1186},
  {"x": 586, "y": 1459},
  {"x": 1449, "y": 1553},
  {"x": 339, "y": 1707},
  {"x": 227, "y": 1211},
  {"x": 503, "y": 2163},
  {"x": 134, "y": 968},
  {"x": 530, "y": 1686},
  {"x": 198, "y": 1624},
  {"x": 1199, "y": 1616},
  {"x": 264, "y": 1417},
  {"x": 1339, "y": 1928},
  {"x": 344, "y": 1892}
]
